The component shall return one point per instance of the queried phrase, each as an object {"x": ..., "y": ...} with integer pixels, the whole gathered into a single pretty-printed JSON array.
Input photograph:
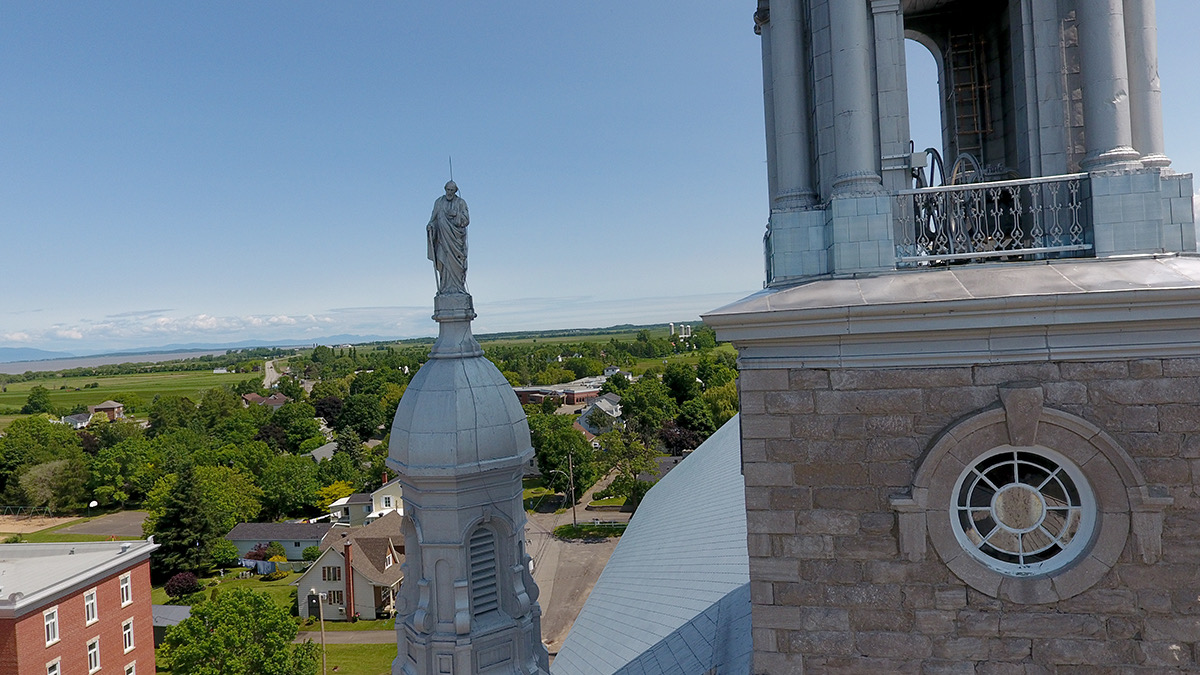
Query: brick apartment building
[{"x": 79, "y": 607}]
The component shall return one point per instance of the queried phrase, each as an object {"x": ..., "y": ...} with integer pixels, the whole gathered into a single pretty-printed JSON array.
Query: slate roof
[
  {"x": 280, "y": 532},
  {"x": 323, "y": 452},
  {"x": 675, "y": 596}
]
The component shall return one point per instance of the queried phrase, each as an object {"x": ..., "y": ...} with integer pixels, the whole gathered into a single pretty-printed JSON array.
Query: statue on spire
[{"x": 447, "y": 239}]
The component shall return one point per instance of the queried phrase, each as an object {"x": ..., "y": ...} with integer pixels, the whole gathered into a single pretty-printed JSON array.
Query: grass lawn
[
  {"x": 536, "y": 496},
  {"x": 375, "y": 624},
  {"x": 611, "y": 501},
  {"x": 589, "y": 531},
  {"x": 281, "y": 591},
  {"x": 361, "y": 659},
  {"x": 353, "y": 659},
  {"x": 691, "y": 359},
  {"x": 146, "y": 385}
]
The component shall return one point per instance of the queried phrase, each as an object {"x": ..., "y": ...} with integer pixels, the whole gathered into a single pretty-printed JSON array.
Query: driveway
[{"x": 122, "y": 524}]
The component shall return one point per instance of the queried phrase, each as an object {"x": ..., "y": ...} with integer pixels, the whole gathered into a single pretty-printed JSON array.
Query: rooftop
[
  {"x": 278, "y": 531},
  {"x": 34, "y": 574}
]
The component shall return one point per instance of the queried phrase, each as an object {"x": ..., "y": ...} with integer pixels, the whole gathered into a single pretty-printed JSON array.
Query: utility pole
[
  {"x": 321, "y": 615},
  {"x": 571, "y": 480}
]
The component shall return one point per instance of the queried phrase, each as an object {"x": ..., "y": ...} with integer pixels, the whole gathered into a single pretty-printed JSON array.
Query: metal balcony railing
[{"x": 1026, "y": 219}]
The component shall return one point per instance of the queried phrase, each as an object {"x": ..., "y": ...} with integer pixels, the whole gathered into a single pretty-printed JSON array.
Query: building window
[
  {"x": 131, "y": 669},
  {"x": 89, "y": 607},
  {"x": 93, "y": 651},
  {"x": 296, "y": 544},
  {"x": 126, "y": 589},
  {"x": 1023, "y": 512},
  {"x": 484, "y": 595},
  {"x": 52, "y": 668},
  {"x": 335, "y": 597},
  {"x": 387, "y": 501},
  {"x": 50, "y": 617},
  {"x": 331, "y": 573},
  {"x": 127, "y": 635},
  {"x": 388, "y": 561}
]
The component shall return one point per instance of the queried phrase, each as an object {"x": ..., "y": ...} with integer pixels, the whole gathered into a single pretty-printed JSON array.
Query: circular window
[{"x": 1023, "y": 512}]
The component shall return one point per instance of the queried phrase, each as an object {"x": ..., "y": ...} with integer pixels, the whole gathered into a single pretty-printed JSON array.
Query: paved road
[
  {"x": 270, "y": 376},
  {"x": 122, "y": 524}
]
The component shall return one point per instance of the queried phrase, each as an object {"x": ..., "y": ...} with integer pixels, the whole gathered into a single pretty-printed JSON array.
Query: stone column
[
  {"x": 892, "y": 80},
  {"x": 1105, "y": 73},
  {"x": 762, "y": 26},
  {"x": 1145, "y": 91},
  {"x": 793, "y": 153},
  {"x": 854, "y": 120}
]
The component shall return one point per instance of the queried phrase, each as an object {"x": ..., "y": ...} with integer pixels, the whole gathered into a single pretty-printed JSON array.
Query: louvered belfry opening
[{"x": 484, "y": 595}]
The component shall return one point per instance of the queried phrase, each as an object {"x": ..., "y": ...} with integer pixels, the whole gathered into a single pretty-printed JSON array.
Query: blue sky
[{"x": 220, "y": 171}]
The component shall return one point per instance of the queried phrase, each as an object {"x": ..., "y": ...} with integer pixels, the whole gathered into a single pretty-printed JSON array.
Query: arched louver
[{"x": 484, "y": 593}]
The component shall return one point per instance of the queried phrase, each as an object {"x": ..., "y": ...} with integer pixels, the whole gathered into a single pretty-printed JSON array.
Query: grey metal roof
[
  {"x": 675, "y": 596},
  {"x": 268, "y": 532},
  {"x": 169, "y": 615}
]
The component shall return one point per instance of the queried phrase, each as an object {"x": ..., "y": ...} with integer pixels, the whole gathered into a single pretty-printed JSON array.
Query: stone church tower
[
  {"x": 970, "y": 390},
  {"x": 468, "y": 604}
]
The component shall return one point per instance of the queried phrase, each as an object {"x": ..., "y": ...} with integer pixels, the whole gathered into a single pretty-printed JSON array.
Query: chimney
[
  {"x": 384, "y": 477},
  {"x": 349, "y": 577}
]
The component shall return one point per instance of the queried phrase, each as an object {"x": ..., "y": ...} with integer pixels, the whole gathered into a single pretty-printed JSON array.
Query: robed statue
[{"x": 447, "y": 237}]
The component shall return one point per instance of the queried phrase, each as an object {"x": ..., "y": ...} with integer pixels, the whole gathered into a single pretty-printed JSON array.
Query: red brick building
[{"x": 76, "y": 608}]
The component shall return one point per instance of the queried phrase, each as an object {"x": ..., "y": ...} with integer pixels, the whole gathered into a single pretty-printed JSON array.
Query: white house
[
  {"x": 295, "y": 537},
  {"x": 386, "y": 500},
  {"x": 610, "y": 407},
  {"x": 359, "y": 571}
]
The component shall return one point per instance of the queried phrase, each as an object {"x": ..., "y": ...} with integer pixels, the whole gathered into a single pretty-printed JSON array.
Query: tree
[
  {"x": 291, "y": 389},
  {"x": 615, "y": 384},
  {"x": 646, "y": 405},
  {"x": 123, "y": 472},
  {"x": 182, "y": 584},
  {"x": 38, "y": 401},
  {"x": 328, "y": 408},
  {"x": 361, "y": 414},
  {"x": 57, "y": 485},
  {"x": 680, "y": 379},
  {"x": 559, "y": 446},
  {"x": 186, "y": 529},
  {"x": 276, "y": 550},
  {"x": 722, "y": 402},
  {"x": 695, "y": 414},
  {"x": 228, "y": 496},
  {"x": 298, "y": 422},
  {"x": 549, "y": 405},
  {"x": 626, "y": 454},
  {"x": 239, "y": 632},
  {"x": 311, "y": 553},
  {"x": 168, "y": 413},
  {"x": 333, "y": 492},
  {"x": 289, "y": 486},
  {"x": 217, "y": 404},
  {"x": 34, "y": 440}
]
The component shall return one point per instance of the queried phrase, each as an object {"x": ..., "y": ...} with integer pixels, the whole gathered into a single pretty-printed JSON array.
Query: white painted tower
[{"x": 460, "y": 442}]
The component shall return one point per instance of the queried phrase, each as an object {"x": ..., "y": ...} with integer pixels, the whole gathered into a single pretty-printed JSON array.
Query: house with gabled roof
[
  {"x": 295, "y": 537},
  {"x": 358, "y": 572}
]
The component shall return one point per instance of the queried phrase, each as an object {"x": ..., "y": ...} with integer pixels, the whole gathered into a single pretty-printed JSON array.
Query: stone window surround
[{"x": 1123, "y": 498}]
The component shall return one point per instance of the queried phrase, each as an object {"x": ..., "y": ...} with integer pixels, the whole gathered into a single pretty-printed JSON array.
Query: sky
[{"x": 214, "y": 172}]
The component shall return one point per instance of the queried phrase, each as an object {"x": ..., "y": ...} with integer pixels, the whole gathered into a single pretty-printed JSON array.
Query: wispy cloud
[{"x": 159, "y": 327}]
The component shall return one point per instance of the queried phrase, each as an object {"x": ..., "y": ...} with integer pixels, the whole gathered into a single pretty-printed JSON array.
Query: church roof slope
[{"x": 674, "y": 597}]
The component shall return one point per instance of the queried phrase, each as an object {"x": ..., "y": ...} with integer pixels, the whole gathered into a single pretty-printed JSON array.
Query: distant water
[{"x": 18, "y": 367}]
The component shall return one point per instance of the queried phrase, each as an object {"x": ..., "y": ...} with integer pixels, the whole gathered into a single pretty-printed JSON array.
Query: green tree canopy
[
  {"x": 289, "y": 486},
  {"x": 646, "y": 405},
  {"x": 298, "y": 422},
  {"x": 38, "y": 401},
  {"x": 559, "y": 446},
  {"x": 680, "y": 379},
  {"x": 239, "y": 632},
  {"x": 185, "y": 529},
  {"x": 362, "y": 414}
]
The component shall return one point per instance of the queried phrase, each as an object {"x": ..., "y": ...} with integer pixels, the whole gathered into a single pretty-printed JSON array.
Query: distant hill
[{"x": 10, "y": 354}]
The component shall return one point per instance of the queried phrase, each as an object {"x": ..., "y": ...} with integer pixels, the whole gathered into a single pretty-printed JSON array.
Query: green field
[
  {"x": 281, "y": 591},
  {"x": 145, "y": 385}
]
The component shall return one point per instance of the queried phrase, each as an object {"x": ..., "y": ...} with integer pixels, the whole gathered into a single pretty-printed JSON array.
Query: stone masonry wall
[{"x": 823, "y": 450}]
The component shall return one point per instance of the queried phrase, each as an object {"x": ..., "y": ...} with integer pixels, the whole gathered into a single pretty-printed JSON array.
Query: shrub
[
  {"x": 312, "y": 553},
  {"x": 224, "y": 553},
  {"x": 276, "y": 549},
  {"x": 259, "y": 552},
  {"x": 182, "y": 584},
  {"x": 277, "y": 558}
]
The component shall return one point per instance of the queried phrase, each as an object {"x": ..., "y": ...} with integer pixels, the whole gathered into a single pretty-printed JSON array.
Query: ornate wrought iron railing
[{"x": 1027, "y": 219}]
